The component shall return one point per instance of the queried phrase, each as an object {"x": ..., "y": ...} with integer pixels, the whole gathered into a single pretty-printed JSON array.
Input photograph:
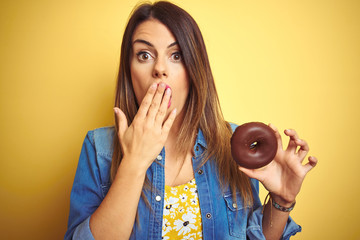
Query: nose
[{"x": 160, "y": 70}]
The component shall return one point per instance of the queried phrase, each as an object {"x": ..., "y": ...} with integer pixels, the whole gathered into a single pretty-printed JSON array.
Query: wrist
[
  {"x": 128, "y": 167},
  {"x": 282, "y": 205},
  {"x": 282, "y": 201}
]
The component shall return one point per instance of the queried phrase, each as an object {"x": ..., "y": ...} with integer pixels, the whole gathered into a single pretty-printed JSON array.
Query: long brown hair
[{"x": 202, "y": 106}]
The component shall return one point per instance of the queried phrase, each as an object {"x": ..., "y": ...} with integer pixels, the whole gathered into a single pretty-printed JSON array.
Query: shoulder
[
  {"x": 98, "y": 156},
  {"x": 233, "y": 126},
  {"x": 102, "y": 139}
]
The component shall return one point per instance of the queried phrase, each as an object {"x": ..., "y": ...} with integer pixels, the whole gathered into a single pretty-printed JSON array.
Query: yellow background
[{"x": 293, "y": 63}]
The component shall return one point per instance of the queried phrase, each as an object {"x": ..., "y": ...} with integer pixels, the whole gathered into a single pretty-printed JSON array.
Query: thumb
[
  {"x": 251, "y": 173},
  {"x": 311, "y": 164},
  {"x": 120, "y": 121}
]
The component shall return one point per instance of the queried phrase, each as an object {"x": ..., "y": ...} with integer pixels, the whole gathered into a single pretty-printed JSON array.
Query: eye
[
  {"x": 176, "y": 57},
  {"x": 143, "y": 56}
]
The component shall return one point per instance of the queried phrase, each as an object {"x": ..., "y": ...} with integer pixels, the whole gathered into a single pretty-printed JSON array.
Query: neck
[
  {"x": 178, "y": 163},
  {"x": 174, "y": 134},
  {"x": 175, "y": 128}
]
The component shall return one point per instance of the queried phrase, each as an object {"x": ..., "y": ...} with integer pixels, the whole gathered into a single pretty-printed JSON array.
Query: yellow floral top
[{"x": 181, "y": 218}]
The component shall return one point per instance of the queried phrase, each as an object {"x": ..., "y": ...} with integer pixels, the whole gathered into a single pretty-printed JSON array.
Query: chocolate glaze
[{"x": 253, "y": 145}]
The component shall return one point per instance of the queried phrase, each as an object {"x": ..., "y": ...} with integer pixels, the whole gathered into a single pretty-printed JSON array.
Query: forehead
[{"x": 155, "y": 32}]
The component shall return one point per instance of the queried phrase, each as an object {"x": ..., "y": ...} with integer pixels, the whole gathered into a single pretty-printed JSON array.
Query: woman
[{"x": 165, "y": 170}]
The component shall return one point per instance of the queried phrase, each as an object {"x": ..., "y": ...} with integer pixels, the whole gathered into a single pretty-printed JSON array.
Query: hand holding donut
[
  {"x": 284, "y": 175},
  {"x": 142, "y": 141}
]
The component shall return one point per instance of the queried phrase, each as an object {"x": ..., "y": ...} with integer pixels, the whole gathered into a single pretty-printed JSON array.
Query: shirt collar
[{"x": 200, "y": 139}]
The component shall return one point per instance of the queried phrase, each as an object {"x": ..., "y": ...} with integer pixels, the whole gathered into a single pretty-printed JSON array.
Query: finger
[
  {"x": 304, "y": 148},
  {"x": 311, "y": 164},
  {"x": 160, "y": 116},
  {"x": 146, "y": 102},
  {"x": 277, "y": 134},
  {"x": 121, "y": 122},
  {"x": 156, "y": 101},
  {"x": 252, "y": 173},
  {"x": 168, "y": 123},
  {"x": 291, "y": 133}
]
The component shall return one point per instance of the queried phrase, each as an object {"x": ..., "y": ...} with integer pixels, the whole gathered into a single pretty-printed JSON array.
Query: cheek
[
  {"x": 140, "y": 81},
  {"x": 184, "y": 81},
  {"x": 182, "y": 86}
]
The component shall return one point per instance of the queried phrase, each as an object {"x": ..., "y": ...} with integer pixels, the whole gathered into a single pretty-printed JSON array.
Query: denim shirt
[{"x": 222, "y": 218}]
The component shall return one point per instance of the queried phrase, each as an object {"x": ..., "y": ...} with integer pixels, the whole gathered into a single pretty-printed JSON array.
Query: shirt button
[
  {"x": 159, "y": 157},
  {"x": 158, "y": 198},
  {"x": 200, "y": 172},
  {"x": 234, "y": 205},
  {"x": 208, "y": 215},
  {"x": 197, "y": 148}
]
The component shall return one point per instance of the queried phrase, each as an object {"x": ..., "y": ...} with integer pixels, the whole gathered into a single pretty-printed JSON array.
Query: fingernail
[
  {"x": 169, "y": 103},
  {"x": 115, "y": 110},
  {"x": 154, "y": 86},
  {"x": 162, "y": 85},
  {"x": 168, "y": 91}
]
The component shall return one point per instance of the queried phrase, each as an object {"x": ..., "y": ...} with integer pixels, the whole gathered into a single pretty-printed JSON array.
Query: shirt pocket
[{"x": 237, "y": 215}]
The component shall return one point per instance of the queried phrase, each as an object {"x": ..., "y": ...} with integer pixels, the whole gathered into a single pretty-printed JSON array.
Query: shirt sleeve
[
  {"x": 254, "y": 229},
  {"x": 86, "y": 193}
]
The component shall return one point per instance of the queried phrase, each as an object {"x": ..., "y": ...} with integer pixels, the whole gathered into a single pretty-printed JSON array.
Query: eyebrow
[{"x": 150, "y": 45}]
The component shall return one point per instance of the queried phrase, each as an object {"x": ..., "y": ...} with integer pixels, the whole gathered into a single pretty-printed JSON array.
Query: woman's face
[{"x": 156, "y": 58}]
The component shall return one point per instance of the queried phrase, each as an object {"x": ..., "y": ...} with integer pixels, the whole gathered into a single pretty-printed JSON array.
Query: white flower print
[
  {"x": 182, "y": 218},
  {"x": 196, "y": 210},
  {"x": 164, "y": 223},
  {"x": 191, "y": 209},
  {"x": 185, "y": 225},
  {"x": 188, "y": 237},
  {"x": 170, "y": 205},
  {"x": 194, "y": 201},
  {"x": 183, "y": 197},
  {"x": 191, "y": 236},
  {"x": 193, "y": 190},
  {"x": 166, "y": 227},
  {"x": 174, "y": 191}
]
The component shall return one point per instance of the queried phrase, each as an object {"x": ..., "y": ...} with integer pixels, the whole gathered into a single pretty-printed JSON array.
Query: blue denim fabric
[{"x": 221, "y": 218}]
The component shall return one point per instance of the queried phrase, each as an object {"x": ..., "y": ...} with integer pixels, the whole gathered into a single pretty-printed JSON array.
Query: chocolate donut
[{"x": 253, "y": 145}]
